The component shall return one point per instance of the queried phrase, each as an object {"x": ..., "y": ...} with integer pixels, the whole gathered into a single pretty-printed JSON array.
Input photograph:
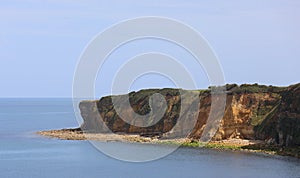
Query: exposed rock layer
[{"x": 251, "y": 112}]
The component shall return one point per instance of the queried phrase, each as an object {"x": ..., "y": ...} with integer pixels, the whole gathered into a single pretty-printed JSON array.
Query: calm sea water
[{"x": 24, "y": 154}]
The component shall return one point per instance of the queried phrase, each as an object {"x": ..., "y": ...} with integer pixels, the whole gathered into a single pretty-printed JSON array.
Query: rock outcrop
[
  {"x": 251, "y": 112},
  {"x": 282, "y": 124}
]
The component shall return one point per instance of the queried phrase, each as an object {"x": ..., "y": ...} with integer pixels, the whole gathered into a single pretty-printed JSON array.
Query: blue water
[{"x": 25, "y": 154}]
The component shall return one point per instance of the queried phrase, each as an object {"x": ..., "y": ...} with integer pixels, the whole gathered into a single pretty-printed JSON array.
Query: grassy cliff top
[{"x": 230, "y": 89}]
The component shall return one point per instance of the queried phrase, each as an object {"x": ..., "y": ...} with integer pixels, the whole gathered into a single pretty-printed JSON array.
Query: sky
[{"x": 256, "y": 41}]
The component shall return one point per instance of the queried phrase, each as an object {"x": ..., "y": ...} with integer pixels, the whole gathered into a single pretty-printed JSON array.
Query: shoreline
[{"x": 252, "y": 146}]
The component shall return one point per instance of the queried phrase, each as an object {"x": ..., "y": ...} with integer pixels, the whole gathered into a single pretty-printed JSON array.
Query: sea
[{"x": 23, "y": 153}]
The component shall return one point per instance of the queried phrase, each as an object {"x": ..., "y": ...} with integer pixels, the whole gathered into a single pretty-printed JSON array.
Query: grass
[{"x": 222, "y": 146}]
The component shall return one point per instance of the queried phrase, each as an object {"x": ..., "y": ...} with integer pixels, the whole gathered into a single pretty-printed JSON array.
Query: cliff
[{"x": 251, "y": 112}]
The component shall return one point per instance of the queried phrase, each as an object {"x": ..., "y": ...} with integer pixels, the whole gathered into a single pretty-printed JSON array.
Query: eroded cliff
[{"x": 251, "y": 112}]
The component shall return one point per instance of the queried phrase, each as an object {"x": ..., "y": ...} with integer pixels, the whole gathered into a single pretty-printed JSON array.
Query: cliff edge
[{"x": 251, "y": 112}]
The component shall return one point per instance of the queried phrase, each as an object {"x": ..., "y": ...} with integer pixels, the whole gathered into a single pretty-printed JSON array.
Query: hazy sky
[{"x": 41, "y": 41}]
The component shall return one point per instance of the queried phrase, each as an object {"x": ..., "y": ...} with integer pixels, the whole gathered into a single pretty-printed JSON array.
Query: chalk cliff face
[{"x": 251, "y": 112}]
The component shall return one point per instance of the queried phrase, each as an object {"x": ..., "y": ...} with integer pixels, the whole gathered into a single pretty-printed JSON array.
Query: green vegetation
[
  {"x": 195, "y": 144},
  {"x": 261, "y": 148},
  {"x": 222, "y": 146},
  {"x": 255, "y": 88},
  {"x": 191, "y": 144},
  {"x": 263, "y": 113},
  {"x": 278, "y": 150}
]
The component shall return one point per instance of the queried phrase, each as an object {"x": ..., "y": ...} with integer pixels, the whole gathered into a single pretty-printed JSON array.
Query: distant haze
[{"x": 256, "y": 41}]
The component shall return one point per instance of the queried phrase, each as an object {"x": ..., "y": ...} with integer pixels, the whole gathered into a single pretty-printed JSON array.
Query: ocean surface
[{"x": 25, "y": 154}]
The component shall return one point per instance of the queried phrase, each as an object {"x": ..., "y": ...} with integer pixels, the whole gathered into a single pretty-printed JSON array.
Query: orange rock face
[{"x": 251, "y": 112}]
